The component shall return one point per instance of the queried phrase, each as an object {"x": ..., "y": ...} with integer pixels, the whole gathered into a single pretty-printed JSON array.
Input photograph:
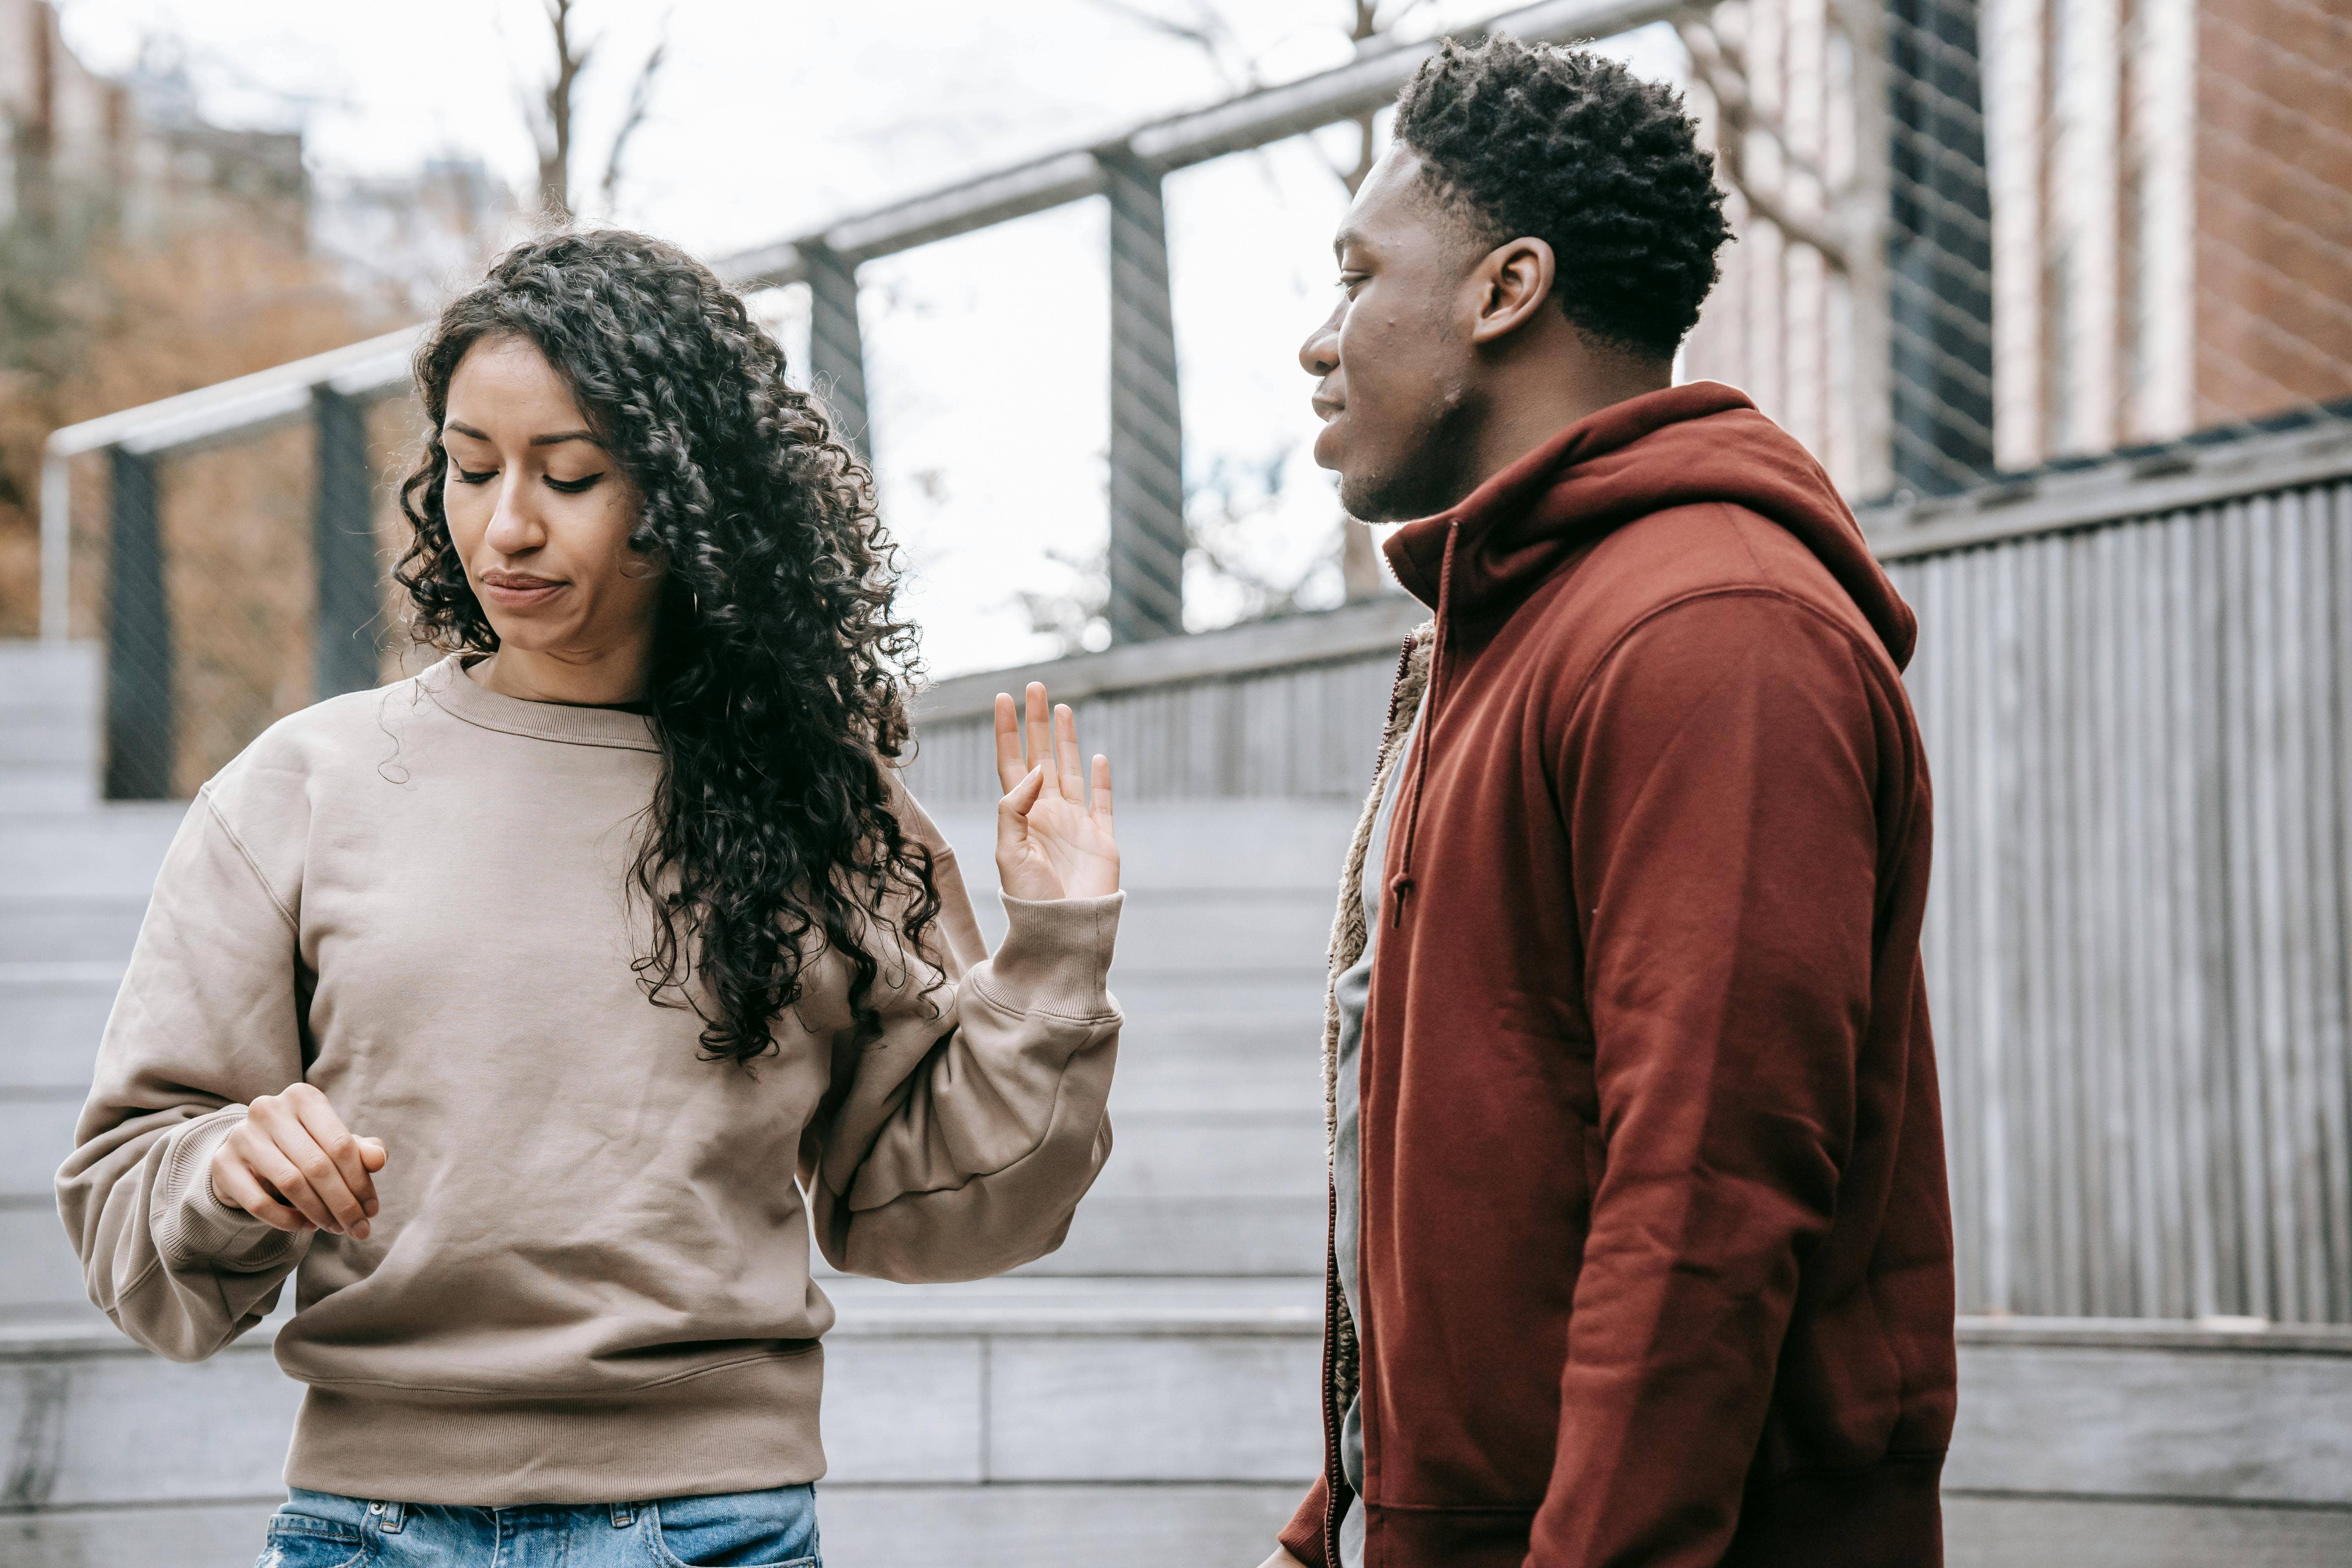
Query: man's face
[{"x": 1397, "y": 376}]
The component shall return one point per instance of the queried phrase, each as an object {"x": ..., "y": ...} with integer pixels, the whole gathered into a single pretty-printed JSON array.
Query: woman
[{"x": 502, "y": 1006}]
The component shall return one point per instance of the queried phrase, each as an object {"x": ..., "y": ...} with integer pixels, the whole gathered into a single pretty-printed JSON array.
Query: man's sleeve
[
  {"x": 1725, "y": 836},
  {"x": 1303, "y": 1536}
]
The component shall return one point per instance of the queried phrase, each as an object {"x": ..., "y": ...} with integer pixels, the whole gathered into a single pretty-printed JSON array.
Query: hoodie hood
[{"x": 1687, "y": 445}]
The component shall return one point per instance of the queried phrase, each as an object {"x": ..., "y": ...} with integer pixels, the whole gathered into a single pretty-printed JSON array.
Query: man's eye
[
  {"x": 1351, "y": 281},
  {"x": 463, "y": 477},
  {"x": 572, "y": 487}
]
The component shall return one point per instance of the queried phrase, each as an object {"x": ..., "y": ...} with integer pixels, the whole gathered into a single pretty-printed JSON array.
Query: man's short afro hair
[{"x": 1570, "y": 147}]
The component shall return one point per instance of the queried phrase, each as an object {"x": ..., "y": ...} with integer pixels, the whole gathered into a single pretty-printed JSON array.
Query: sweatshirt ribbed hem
[
  {"x": 195, "y": 1229},
  {"x": 742, "y": 1427}
]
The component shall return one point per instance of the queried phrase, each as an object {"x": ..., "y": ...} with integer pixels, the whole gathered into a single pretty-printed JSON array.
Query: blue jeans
[{"x": 732, "y": 1530}]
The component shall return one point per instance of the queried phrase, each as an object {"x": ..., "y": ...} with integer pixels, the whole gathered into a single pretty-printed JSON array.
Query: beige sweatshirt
[{"x": 589, "y": 1281}]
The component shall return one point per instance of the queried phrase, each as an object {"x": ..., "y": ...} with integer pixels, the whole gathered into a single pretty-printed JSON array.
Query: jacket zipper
[{"x": 1334, "y": 1479}]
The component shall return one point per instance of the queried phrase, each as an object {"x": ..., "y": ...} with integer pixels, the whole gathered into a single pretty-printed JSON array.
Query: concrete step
[
  {"x": 1220, "y": 845},
  {"x": 49, "y": 733},
  {"x": 65, "y": 927},
  {"x": 52, "y": 1016},
  {"x": 47, "y": 787},
  {"x": 1168, "y": 1422},
  {"x": 1141, "y": 1236},
  {"x": 1025, "y": 1382},
  {"x": 111, "y": 851},
  {"x": 1016, "y": 1525},
  {"x": 36, "y": 1135},
  {"x": 40, "y": 671}
]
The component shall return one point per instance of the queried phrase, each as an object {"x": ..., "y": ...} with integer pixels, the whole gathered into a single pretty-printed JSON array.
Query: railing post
[
  {"x": 342, "y": 544},
  {"x": 837, "y": 349},
  {"x": 1147, "y": 433},
  {"x": 139, "y": 732},
  {"x": 1940, "y": 248}
]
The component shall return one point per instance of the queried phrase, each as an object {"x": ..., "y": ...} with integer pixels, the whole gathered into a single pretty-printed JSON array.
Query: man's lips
[{"x": 1325, "y": 409}]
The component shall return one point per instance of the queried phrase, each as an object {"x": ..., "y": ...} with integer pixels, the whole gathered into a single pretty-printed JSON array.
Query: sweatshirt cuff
[
  {"x": 1055, "y": 956},
  {"x": 192, "y": 1229}
]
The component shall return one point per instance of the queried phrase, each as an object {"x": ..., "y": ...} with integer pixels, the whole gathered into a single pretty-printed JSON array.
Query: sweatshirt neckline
[{"x": 461, "y": 697}]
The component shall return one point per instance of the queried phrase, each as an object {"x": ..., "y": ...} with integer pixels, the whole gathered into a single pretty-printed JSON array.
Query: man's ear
[{"x": 1512, "y": 282}]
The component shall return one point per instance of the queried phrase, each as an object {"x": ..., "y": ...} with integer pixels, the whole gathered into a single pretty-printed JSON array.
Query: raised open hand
[{"x": 1053, "y": 836}]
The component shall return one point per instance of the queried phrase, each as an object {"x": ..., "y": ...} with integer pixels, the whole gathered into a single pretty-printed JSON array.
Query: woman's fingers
[
  {"x": 283, "y": 1153},
  {"x": 1008, "y": 743},
  {"x": 287, "y": 1183},
  {"x": 233, "y": 1184},
  {"x": 1098, "y": 803},
  {"x": 335, "y": 1141},
  {"x": 1069, "y": 768},
  {"x": 1041, "y": 731},
  {"x": 1024, "y": 792},
  {"x": 1011, "y": 818}
]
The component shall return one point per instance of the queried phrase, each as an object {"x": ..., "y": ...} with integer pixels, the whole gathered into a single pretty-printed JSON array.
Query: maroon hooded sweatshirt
[{"x": 1657, "y": 1258}]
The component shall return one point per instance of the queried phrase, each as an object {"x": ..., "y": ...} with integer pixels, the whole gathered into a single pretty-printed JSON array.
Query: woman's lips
[{"x": 520, "y": 589}]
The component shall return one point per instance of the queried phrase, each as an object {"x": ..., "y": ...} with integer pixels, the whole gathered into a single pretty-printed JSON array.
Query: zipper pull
[{"x": 1400, "y": 888}]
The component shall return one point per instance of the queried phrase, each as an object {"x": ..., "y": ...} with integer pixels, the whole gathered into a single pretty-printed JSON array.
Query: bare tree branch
[
  {"x": 551, "y": 119},
  {"x": 641, "y": 92},
  {"x": 1206, "y": 31}
]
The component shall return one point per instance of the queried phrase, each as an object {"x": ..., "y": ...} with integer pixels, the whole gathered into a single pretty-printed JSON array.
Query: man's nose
[{"x": 1318, "y": 356}]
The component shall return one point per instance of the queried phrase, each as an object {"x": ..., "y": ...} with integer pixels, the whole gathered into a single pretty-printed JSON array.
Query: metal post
[
  {"x": 342, "y": 546},
  {"x": 1940, "y": 248},
  {"x": 56, "y": 547},
  {"x": 837, "y": 349},
  {"x": 139, "y": 718},
  {"x": 1147, "y": 436}
]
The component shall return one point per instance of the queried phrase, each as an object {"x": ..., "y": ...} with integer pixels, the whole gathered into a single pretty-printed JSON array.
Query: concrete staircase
[{"x": 1145, "y": 1396}]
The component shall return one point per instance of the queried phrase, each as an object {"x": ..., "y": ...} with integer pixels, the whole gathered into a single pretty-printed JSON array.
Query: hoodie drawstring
[{"x": 1401, "y": 885}]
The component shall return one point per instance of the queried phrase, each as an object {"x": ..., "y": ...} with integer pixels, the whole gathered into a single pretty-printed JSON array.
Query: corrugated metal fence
[
  {"x": 2136, "y": 938},
  {"x": 2136, "y": 692}
]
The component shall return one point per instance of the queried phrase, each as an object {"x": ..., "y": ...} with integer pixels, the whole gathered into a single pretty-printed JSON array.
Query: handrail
[
  {"x": 1251, "y": 120},
  {"x": 2177, "y": 479}
]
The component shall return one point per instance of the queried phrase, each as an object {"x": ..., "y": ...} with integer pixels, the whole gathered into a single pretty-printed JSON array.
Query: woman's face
[{"x": 540, "y": 513}]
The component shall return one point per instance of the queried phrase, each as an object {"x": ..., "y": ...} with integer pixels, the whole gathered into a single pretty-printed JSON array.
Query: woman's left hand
[{"x": 1053, "y": 836}]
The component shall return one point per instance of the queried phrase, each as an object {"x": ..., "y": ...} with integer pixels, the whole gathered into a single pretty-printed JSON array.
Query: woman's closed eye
[{"x": 567, "y": 487}]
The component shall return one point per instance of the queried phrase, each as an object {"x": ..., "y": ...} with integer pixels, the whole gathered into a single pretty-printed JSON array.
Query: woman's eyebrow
[{"x": 555, "y": 438}]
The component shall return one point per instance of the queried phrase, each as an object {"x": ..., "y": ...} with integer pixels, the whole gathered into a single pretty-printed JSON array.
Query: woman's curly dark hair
[
  {"x": 1570, "y": 147},
  {"x": 781, "y": 669}
]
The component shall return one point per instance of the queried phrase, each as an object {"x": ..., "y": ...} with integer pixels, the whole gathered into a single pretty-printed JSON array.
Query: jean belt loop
[
  {"x": 395, "y": 1514},
  {"x": 625, "y": 1514}
]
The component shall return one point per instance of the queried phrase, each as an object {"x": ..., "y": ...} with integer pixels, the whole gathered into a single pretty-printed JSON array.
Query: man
[{"x": 1642, "y": 1252}]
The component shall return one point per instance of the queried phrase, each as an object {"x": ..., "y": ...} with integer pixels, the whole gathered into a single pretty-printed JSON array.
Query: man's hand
[
  {"x": 291, "y": 1164},
  {"x": 1282, "y": 1559},
  {"x": 1053, "y": 837}
]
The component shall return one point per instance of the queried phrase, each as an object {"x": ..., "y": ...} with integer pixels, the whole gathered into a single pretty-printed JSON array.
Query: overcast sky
[{"x": 986, "y": 354}]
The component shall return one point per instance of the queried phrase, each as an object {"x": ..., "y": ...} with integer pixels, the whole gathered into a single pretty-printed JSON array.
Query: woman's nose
[{"x": 514, "y": 527}]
